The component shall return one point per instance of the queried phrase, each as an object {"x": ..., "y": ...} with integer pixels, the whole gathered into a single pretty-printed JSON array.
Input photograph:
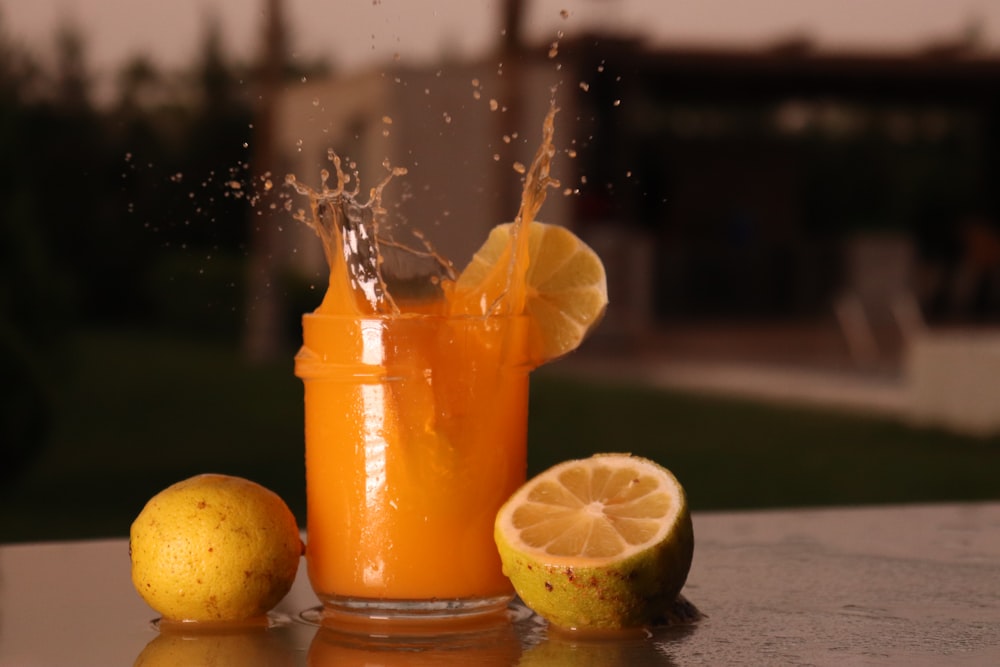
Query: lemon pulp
[{"x": 604, "y": 542}]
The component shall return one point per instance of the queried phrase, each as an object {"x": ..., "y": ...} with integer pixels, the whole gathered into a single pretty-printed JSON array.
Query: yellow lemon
[
  {"x": 214, "y": 548},
  {"x": 598, "y": 543},
  {"x": 566, "y": 286}
]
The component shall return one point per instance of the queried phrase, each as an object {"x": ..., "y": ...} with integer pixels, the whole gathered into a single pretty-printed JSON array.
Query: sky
[{"x": 359, "y": 33}]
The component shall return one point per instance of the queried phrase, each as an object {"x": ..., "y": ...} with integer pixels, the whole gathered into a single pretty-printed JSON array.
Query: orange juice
[
  {"x": 415, "y": 435},
  {"x": 416, "y": 417}
]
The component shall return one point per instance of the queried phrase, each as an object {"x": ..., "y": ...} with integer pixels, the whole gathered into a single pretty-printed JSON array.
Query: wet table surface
[{"x": 916, "y": 585}]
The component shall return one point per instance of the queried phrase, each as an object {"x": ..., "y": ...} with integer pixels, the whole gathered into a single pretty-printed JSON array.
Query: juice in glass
[
  {"x": 416, "y": 418},
  {"x": 415, "y": 435}
]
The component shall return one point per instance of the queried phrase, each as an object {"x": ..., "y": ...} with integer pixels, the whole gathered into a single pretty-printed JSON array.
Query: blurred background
[{"x": 797, "y": 205}]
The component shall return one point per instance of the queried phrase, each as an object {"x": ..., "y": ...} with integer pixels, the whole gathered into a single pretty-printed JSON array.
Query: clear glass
[{"x": 415, "y": 435}]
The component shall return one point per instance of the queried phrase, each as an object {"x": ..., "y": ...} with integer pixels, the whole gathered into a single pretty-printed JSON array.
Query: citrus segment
[
  {"x": 566, "y": 287},
  {"x": 604, "y": 542}
]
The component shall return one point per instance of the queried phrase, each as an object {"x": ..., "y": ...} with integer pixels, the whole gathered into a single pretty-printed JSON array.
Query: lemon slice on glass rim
[
  {"x": 566, "y": 290},
  {"x": 598, "y": 543}
]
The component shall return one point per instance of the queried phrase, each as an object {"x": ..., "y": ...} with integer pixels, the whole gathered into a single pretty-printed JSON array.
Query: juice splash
[
  {"x": 416, "y": 406},
  {"x": 504, "y": 291},
  {"x": 355, "y": 245}
]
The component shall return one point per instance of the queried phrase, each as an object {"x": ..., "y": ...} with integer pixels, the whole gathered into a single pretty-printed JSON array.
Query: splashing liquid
[
  {"x": 362, "y": 255},
  {"x": 505, "y": 290},
  {"x": 350, "y": 231}
]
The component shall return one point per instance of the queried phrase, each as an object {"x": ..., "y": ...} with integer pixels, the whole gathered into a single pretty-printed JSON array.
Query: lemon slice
[
  {"x": 566, "y": 289},
  {"x": 602, "y": 543}
]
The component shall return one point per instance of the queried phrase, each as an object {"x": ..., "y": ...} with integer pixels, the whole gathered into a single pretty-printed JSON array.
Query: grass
[{"x": 145, "y": 411}]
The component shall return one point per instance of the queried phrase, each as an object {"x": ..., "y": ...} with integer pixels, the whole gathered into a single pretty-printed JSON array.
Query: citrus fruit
[
  {"x": 598, "y": 543},
  {"x": 566, "y": 286},
  {"x": 214, "y": 548}
]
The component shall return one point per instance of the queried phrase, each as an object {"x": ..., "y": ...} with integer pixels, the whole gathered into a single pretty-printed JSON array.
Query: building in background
[{"x": 717, "y": 184}]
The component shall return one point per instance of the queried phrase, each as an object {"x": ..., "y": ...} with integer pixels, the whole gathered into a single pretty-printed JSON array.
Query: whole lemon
[{"x": 214, "y": 548}]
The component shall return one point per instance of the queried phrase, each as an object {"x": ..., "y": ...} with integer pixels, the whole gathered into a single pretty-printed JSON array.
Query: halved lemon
[
  {"x": 565, "y": 292},
  {"x": 598, "y": 543}
]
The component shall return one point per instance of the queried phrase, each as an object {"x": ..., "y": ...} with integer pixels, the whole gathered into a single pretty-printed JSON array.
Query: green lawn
[{"x": 145, "y": 411}]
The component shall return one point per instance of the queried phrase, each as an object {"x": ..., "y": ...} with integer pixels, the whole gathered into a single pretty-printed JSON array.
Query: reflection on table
[{"x": 876, "y": 586}]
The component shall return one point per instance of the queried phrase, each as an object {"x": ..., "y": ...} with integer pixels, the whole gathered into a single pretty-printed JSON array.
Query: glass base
[{"x": 350, "y": 610}]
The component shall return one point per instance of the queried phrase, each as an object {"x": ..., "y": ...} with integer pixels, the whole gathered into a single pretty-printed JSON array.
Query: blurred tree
[
  {"x": 138, "y": 82},
  {"x": 72, "y": 89},
  {"x": 263, "y": 338},
  {"x": 33, "y": 294}
]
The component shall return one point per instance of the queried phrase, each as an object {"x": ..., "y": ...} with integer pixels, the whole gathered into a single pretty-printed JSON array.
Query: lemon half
[{"x": 598, "y": 543}]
